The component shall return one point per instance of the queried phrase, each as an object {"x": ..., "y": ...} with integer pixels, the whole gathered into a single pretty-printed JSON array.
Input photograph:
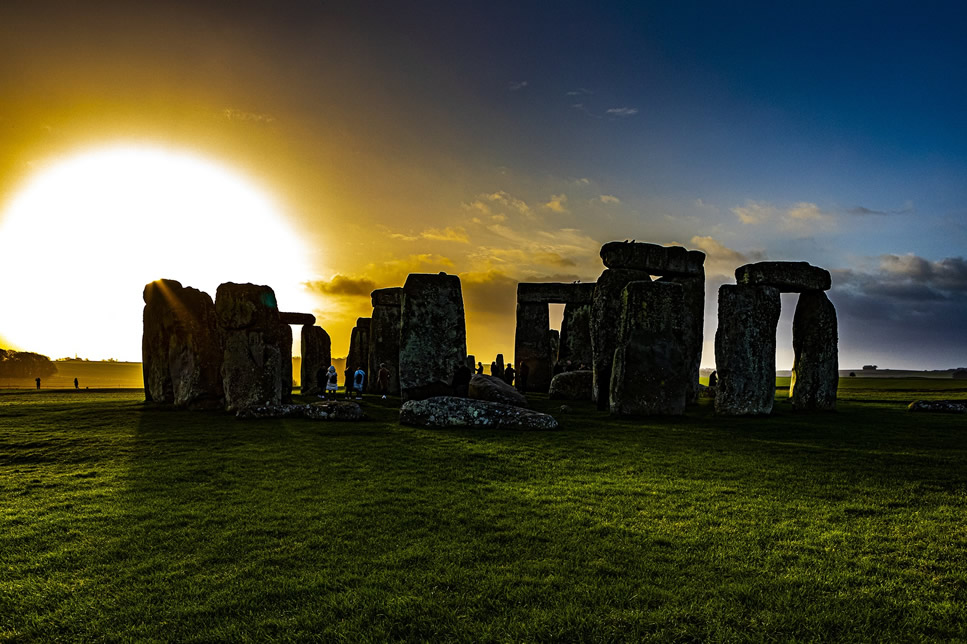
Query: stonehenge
[
  {"x": 384, "y": 336},
  {"x": 815, "y": 368},
  {"x": 316, "y": 358}
]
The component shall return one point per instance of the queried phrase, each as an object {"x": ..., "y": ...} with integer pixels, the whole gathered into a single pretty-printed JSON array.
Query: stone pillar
[
  {"x": 532, "y": 344},
  {"x": 248, "y": 319},
  {"x": 285, "y": 348},
  {"x": 433, "y": 335},
  {"x": 316, "y": 357},
  {"x": 384, "y": 337},
  {"x": 181, "y": 347},
  {"x": 650, "y": 374},
  {"x": 745, "y": 349},
  {"x": 815, "y": 342},
  {"x": 605, "y": 315},
  {"x": 576, "y": 335},
  {"x": 693, "y": 327},
  {"x": 359, "y": 345}
]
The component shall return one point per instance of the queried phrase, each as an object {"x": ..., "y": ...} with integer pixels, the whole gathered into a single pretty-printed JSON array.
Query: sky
[{"x": 507, "y": 141}]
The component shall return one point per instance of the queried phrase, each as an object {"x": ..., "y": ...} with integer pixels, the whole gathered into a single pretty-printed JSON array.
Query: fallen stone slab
[
  {"x": 654, "y": 259},
  {"x": 572, "y": 385},
  {"x": 939, "y": 406},
  {"x": 787, "y": 277},
  {"x": 332, "y": 410},
  {"x": 450, "y": 411},
  {"x": 494, "y": 389}
]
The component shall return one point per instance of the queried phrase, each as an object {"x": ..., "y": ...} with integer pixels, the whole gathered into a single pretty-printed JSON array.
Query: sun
[{"x": 82, "y": 237}]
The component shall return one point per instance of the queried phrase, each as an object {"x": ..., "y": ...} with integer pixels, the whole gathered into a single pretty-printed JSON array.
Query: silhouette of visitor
[
  {"x": 37, "y": 380},
  {"x": 76, "y": 384},
  {"x": 382, "y": 380},
  {"x": 713, "y": 380},
  {"x": 359, "y": 379},
  {"x": 480, "y": 368},
  {"x": 331, "y": 384},
  {"x": 493, "y": 369},
  {"x": 509, "y": 374}
]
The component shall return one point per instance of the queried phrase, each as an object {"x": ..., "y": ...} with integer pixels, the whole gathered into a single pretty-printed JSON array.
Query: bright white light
[{"x": 80, "y": 240}]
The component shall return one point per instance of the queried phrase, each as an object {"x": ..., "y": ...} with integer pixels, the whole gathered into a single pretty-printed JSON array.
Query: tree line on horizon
[{"x": 25, "y": 364}]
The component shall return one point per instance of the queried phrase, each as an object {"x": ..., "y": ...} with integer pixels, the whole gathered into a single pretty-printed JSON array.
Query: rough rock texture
[
  {"x": 301, "y": 319},
  {"x": 285, "y": 347},
  {"x": 939, "y": 406},
  {"x": 343, "y": 410},
  {"x": 745, "y": 349},
  {"x": 180, "y": 346},
  {"x": 788, "y": 277},
  {"x": 572, "y": 385},
  {"x": 449, "y": 411},
  {"x": 554, "y": 293},
  {"x": 532, "y": 344},
  {"x": 815, "y": 343},
  {"x": 316, "y": 356},
  {"x": 650, "y": 373},
  {"x": 384, "y": 337},
  {"x": 494, "y": 389},
  {"x": 605, "y": 315},
  {"x": 576, "y": 335},
  {"x": 433, "y": 335},
  {"x": 500, "y": 365},
  {"x": 359, "y": 345},
  {"x": 248, "y": 320},
  {"x": 653, "y": 259},
  {"x": 693, "y": 328}
]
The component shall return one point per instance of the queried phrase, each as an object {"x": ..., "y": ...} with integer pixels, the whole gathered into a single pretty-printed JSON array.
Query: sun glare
[{"x": 82, "y": 237}]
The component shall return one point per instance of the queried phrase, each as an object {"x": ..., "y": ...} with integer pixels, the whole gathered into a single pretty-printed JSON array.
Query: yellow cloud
[
  {"x": 608, "y": 199},
  {"x": 447, "y": 234},
  {"x": 557, "y": 203}
]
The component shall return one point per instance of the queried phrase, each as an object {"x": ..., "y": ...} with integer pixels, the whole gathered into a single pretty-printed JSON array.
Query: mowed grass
[{"x": 120, "y": 521}]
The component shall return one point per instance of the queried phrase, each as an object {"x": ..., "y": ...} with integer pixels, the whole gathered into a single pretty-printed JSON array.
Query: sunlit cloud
[
  {"x": 343, "y": 285},
  {"x": 609, "y": 199},
  {"x": 458, "y": 234},
  {"x": 800, "y": 217},
  {"x": 241, "y": 115},
  {"x": 557, "y": 203},
  {"x": 719, "y": 258}
]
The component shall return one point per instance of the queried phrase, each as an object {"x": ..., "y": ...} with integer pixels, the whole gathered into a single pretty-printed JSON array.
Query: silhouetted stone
[
  {"x": 939, "y": 406},
  {"x": 452, "y": 412},
  {"x": 494, "y": 389},
  {"x": 384, "y": 337},
  {"x": 693, "y": 328},
  {"x": 653, "y": 259},
  {"x": 500, "y": 364},
  {"x": 650, "y": 372},
  {"x": 300, "y": 319},
  {"x": 316, "y": 357},
  {"x": 532, "y": 344},
  {"x": 181, "y": 347},
  {"x": 815, "y": 343},
  {"x": 605, "y": 316},
  {"x": 433, "y": 335},
  {"x": 576, "y": 335},
  {"x": 248, "y": 320},
  {"x": 745, "y": 349},
  {"x": 285, "y": 347},
  {"x": 358, "y": 357},
  {"x": 572, "y": 385},
  {"x": 787, "y": 277}
]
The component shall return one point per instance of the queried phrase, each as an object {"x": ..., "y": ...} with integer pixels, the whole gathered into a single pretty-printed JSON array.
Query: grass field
[{"x": 124, "y": 522}]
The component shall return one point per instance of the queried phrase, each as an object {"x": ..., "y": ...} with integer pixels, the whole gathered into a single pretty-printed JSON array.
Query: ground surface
[{"x": 120, "y": 521}]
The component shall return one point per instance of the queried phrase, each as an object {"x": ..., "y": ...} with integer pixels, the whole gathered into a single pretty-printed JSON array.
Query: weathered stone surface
[
  {"x": 576, "y": 335},
  {"x": 532, "y": 344},
  {"x": 787, "y": 277},
  {"x": 494, "y": 389},
  {"x": 387, "y": 297},
  {"x": 248, "y": 320},
  {"x": 384, "y": 339},
  {"x": 301, "y": 319},
  {"x": 650, "y": 373},
  {"x": 433, "y": 335},
  {"x": 605, "y": 315},
  {"x": 181, "y": 347},
  {"x": 449, "y": 411},
  {"x": 745, "y": 349},
  {"x": 693, "y": 328},
  {"x": 359, "y": 345},
  {"x": 500, "y": 365},
  {"x": 653, "y": 259},
  {"x": 554, "y": 293},
  {"x": 333, "y": 410},
  {"x": 815, "y": 344},
  {"x": 316, "y": 357},
  {"x": 285, "y": 347},
  {"x": 572, "y": 385},
  {"x": 939, "y": 406}
]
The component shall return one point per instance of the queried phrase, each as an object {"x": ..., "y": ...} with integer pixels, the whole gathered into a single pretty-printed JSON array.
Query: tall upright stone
[
  {"x": 693, "y": 327},
  {"x": 650, "y": 374},
  {"x": 285, "y": 347},
  {"x": 249, "y": 323},
  {"x": 433, "y": 335},
  {"x": 576, "y": 335},
  {"x": 358, "y": 357},
  {"x": 532, "y": 344},
  {"x": 605, "y": 314},
  {"x": 384, "y": 336},
  {"x": 815, "y": 343},
  {"x": 316, "y": 358},
  {"x": 180, "y": 346},
  {"x": 745, "y": 349}
]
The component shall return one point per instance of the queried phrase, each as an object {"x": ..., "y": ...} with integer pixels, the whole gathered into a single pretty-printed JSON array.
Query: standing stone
[
  {"x": 180, "y": 346},
  {"x": 554, "y": 339},
  {"x": 500, "y": 364},
  {"x": 745, "y": 349},
  {"x": 433, "y": 335},
  {"x": 576, "y": 335},
  {"x": 359, "y": 345},
  {"x": 316, "y": 356},
  {"x": 248, "y": 319},
  {"x": 651, "y": 372},
  {"x": 693, "y": 328},
  {"x": 605, "y": 315},
  {"x": 384, "y": 337},
  {"x": 815, "y": 343},
  {"x": 285, "y": 347},
  {"x": 532, "y": 344}
]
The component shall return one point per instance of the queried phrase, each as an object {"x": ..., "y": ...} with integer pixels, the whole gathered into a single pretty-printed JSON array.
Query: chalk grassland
[{"x": 121, "y": 521}]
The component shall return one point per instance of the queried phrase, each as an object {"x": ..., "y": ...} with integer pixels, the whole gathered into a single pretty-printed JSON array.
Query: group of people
[
  {"x": 513, "y": 377},
  {"x": 354, "y": 383}
]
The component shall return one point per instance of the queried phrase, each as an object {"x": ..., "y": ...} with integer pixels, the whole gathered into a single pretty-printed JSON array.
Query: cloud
[
  {"x": 343, "y": 285},
  {"x": 754, "y": 212},
  {"x": 487, "y": 203},
  {"x": 517, "y": 85},
  {"x": 862, "y": 210},
  {"x": 609, "y": 199},
  {"x": 241, "y": 115},
  {"x": 800, "y": 217},
  {"x": 948, "y": 274},
  {"x": 622, "y": 111},
  {"x": 557, "y": 203},
  {"x": 583, "y": 181},
  {"x": 580, "y": 91},
  {"x": 720, "y": 259},
  {"x": 458, "y": 234}
]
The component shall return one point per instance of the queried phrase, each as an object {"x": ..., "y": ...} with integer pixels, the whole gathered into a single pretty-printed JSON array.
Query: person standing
[
  {"x": 382, "y": 380},
  {"x": 359, "y": 380},
  {"x": 76, "y": 384},
  {"x": 480, "y": 368},
  {"x": 37, "y": 380},
  {"x": 331, "y": 383},
  {"x": 509, "y": 374}
]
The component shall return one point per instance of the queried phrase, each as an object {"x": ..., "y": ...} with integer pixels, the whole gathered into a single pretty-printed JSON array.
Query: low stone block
[
  {"x": 939, "y": 406},
  {"x": 787, "y": 277},
  {"x": 494, "y": 389},
  {"x": 452, "y": 412},
  {"x": 572, "y": 385}
]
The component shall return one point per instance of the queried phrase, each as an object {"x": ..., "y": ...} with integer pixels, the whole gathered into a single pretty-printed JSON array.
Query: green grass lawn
[{"x": 120, "y": 521}]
